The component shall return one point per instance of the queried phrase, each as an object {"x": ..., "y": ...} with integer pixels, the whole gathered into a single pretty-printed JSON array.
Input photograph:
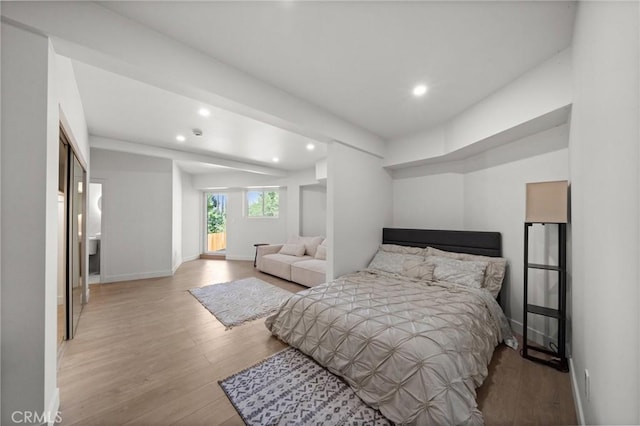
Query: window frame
[{"x": 264, "y": 191}]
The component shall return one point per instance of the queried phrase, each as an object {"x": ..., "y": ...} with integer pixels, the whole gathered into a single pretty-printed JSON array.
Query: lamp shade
[{"x": 547, "y": 202}]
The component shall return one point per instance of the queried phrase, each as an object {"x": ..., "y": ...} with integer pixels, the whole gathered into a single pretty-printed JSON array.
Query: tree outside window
[
  {"x": 216, "y": 217},
  {"x": 263, "y": 203}
]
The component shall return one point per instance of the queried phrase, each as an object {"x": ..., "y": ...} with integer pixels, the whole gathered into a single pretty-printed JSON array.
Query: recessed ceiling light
[
  {"x": 311, "y": 146},
  {"x": 275, "y": 159},
  {"x": 420, "y": 90},
  {"x": 204, "y": 112},
  {"x": 180, "y": 138}
]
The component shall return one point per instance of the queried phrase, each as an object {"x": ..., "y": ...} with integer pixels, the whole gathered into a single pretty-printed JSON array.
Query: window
[{"x": 262, "y": 203}]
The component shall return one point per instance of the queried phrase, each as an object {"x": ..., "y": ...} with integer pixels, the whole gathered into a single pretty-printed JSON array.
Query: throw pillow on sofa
[
  {"x": 321, "y": 253},
  {"x": 293, "y": 250},
  {"x": 310, "y": 243}
]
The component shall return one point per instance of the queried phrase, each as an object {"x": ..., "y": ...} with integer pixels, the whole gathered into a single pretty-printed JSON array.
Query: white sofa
[{"x": 307, "y": 266}]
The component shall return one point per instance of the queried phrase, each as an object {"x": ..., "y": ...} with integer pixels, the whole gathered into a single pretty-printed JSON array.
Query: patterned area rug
[
  {"x": 237, "y": 302},
  {"x": 291, "y": 388}
]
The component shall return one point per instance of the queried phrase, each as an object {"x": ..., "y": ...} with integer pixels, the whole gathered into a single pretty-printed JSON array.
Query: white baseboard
[
  {"x": 176, "y": 266},
  {"x": 239, "y": 258},
  {"x": 190, "y": 258},
  {"x": 576, "y": 393},
  {"x": 137, "y": 276},
  {"x": 53, "y": 407}
]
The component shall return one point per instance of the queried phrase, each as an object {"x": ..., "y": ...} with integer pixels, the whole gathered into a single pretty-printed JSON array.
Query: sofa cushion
[
  {"x": 280, "y": 264},
  {"x": 293, "y": 249},
  {"x": 309, "y": 272},
  {"x": 315, "y": 265},
  {"x": 285, "y": 258}
]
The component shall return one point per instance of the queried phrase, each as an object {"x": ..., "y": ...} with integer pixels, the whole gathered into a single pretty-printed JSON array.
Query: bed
[{"x": 411, "y": 344}]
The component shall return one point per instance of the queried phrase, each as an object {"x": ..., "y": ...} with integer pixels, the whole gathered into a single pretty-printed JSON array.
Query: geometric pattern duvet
[{"x": 414, "y": 350}]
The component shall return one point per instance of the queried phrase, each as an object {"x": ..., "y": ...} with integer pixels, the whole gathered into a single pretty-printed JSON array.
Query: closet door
[
  {"x": 63, "y": 174},
  {"x": 76, "y": 242}
]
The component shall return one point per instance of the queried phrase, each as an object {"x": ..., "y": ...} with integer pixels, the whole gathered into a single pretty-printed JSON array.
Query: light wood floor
[{"x": 147, "y": 352}]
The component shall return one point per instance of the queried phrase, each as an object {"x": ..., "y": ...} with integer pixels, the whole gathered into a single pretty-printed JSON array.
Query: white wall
[
  {"x": 358, "y": 207},
  {"x": 605, "y": 196},
  {"x": 192, "y": 219},
  {"x": 137, "y": 212},
  {"x": 176, "y": 225},
  {"x": 313, "y": 210},
  {"x": 429, "y": 202},
  {"x": 494, "y": 200},
  {"x": 71, "y": 106},
  {"x": 487, "y": 193},
  {"x": 243, "y": 232},
  {"x": 29, "y": 223},
  {"x": 1, "y": 136}
]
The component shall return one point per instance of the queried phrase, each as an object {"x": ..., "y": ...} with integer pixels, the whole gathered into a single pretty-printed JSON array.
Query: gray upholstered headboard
[{"x": 473, "y": 242}]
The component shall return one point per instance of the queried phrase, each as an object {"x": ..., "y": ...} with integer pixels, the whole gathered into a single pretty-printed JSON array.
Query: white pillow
[
  {"x": 310, "y": 243},
  {"x": 463, "y": 272},
  {"x": 321, "y": 252},
  {"x": 419, "y": 269},
  {"x": 293, "y": 249},
  {"x": 394, "y": 248},
  {"x": 493, "y": 276},
  {"x": 391, "y": 262}
]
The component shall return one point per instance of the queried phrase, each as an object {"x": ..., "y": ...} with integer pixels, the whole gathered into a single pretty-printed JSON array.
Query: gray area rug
[
  {"x": 289, "y": 388},
  {"x": 237, "y": 302}
]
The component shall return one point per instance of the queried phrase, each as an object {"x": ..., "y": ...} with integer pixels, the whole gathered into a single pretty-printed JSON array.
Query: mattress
[{"x": 415, "y": 350}]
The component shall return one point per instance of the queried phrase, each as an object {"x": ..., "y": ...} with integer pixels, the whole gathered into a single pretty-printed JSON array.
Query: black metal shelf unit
[{"x": 558, "y": 358}]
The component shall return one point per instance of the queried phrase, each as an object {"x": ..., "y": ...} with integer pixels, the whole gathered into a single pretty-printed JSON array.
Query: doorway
[
  {"x": 94, "y": 231},
  {"x": 216, "y": 223}
]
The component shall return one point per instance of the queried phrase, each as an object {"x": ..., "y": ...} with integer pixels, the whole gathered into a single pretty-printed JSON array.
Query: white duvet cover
[{"x": 415, "y": 350}]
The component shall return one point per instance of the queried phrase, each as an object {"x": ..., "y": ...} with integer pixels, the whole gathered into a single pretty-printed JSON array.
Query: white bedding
[{"x": 415, "y": 350}]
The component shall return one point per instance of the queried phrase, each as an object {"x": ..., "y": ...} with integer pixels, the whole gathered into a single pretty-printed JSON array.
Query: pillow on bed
[
  {"x": 393, "y": 248},
  {"x": 293, "y": 249},
  {"x": 494, "y": 274},
  {"x": 464, "y": 272},
  {"x": 391, "y": 262},
  {"x": 420, "y": 269}
]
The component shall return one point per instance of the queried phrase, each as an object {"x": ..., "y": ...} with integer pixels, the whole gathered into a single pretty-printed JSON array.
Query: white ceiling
[
  {"x": 360, "y": 60},
  {"x": 121, "y": 108}
]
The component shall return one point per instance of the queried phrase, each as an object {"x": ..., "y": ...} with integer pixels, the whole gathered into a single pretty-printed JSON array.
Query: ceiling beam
[
  {"x": 105, "y": 39},
  {"x": 100, "y": 142}
]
